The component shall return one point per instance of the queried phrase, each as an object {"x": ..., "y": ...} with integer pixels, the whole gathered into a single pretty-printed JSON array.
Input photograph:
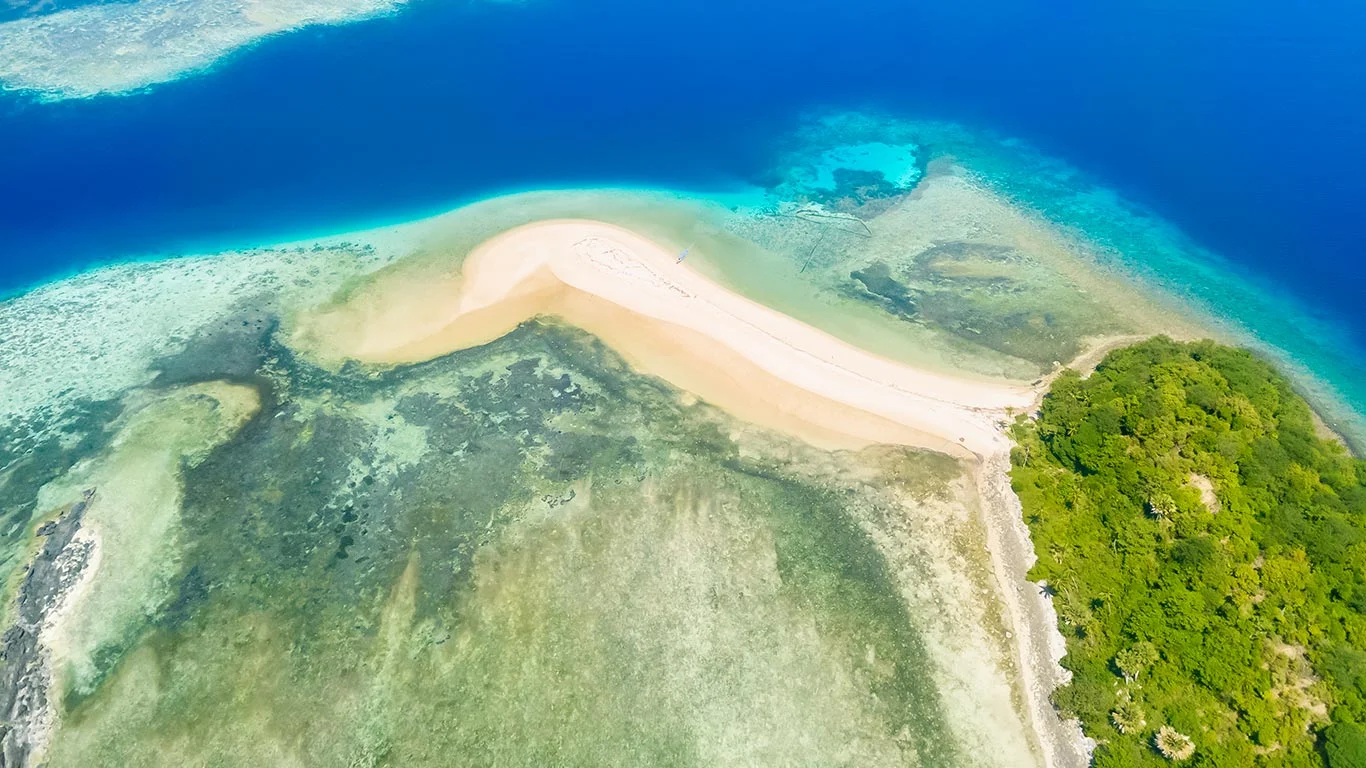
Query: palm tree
[
  {"x": 1174, "y": 745},
  {"x": 1128, "y": 717},
  {"x": 1132, "y": 661}
]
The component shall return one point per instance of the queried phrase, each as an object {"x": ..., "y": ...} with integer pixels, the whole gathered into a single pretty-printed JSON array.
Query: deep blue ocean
[{"x": 1242, "y": 122}]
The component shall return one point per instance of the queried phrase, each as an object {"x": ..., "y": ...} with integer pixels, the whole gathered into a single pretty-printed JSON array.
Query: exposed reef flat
[
  {"x": 948, "y": 274},
  {"x": 70, "y": 352},
  {"x": 94, "y": 335}
]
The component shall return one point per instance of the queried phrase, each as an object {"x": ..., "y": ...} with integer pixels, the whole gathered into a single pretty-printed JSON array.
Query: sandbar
[{"x": 666, "y": 320}]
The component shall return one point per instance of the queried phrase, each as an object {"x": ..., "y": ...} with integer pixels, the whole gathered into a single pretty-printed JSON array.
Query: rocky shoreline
[
  {"x": 1037, "y": 644},
  {"x": 26, "y": 674}
]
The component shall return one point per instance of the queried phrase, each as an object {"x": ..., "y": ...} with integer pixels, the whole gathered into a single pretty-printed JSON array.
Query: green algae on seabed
[
  {"x": 134, "y": 515},
  {"x": 904, "y": 279},
  {"x": 521, "y": 554},
  {"x": 1136, "y": 246},
  {"x": 34, "y": 452}
]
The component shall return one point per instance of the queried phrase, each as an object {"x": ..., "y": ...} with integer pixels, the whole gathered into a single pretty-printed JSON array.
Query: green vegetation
[{"x": 1207, "y": 554}]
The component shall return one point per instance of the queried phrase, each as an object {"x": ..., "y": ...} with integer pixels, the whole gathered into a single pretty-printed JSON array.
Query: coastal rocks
[
  {"x": 25, "y": 673},
  {"x": 1039, "y": 647}
]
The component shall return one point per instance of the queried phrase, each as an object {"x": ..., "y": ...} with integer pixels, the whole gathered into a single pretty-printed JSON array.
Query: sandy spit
[{"x": 669, "y": 321}]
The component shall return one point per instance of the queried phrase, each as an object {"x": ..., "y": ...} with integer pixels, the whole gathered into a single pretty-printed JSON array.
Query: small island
[{"x": 1205, "y": 548}]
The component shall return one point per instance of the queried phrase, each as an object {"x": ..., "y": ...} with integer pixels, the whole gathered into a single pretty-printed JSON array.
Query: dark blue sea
[{"x": 1243, "y": 123}]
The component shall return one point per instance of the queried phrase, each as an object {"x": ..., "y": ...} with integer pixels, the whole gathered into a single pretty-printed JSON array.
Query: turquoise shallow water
[
  {"x": 1322, "y": 349},
  {"x": 1238, "y": 123},
  {"x": 1129, "y": 240}
]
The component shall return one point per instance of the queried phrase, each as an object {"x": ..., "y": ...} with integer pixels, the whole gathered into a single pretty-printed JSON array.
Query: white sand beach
[{"x": 668, "y": 321}]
